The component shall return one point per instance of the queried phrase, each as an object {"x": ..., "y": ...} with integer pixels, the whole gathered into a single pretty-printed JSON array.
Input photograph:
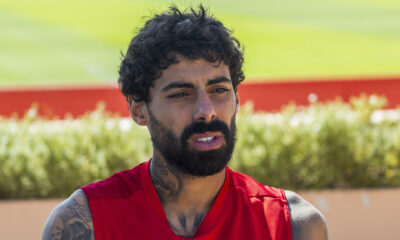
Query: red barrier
[
  {"x": 60, "y": 101},
  {"x": 267, "y": 96},
  {"x": 272, "y": 96}
]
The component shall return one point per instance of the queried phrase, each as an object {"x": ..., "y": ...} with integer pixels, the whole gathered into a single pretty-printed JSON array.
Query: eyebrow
[
  {"x": 191, "y": 85},
  {"x": 218, "y": 80},
  {"x": 177, "y": 85}
]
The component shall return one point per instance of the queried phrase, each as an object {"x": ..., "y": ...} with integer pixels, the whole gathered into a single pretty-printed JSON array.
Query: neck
[{"x": 185, "y": 199}]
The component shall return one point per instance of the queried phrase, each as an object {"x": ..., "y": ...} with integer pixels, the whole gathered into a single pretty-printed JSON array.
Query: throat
[
  {"x": 181, "y": 190},
  {"x": 185, "y": 199}
]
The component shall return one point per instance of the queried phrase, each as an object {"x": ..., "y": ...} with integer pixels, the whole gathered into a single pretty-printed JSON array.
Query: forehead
[{"x": 197, "y": 72}]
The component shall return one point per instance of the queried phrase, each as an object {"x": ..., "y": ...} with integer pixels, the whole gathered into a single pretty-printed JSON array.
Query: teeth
[{"x": 209, "y": 139}]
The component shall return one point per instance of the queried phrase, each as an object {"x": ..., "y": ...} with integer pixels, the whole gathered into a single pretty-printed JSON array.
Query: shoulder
[
  {"x": 70, "y": 220},
  {"x": 253, "y": 188},
  {"x": 307, "y": 222},
  {"x": 120, "y": 185}
]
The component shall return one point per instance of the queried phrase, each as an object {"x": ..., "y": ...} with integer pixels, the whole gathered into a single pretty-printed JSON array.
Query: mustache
[{"x": 202, "y": 127}]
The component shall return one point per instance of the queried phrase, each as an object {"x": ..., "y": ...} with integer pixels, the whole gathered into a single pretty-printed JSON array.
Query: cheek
[
  {"x": 225, "y": 111},
  {"x": 174, "y": 122}
]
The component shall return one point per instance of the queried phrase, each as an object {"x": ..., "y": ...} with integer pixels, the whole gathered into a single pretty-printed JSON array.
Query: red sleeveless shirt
[{"x": 126, "y": 206}]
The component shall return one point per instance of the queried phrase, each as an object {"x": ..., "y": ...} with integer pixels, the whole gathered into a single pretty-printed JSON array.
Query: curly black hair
[{"x": 193, "y": 34}]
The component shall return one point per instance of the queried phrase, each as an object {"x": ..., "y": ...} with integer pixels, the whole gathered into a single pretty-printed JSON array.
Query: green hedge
[
  {"x": 330, "y": 145},
  {"x": 41, "y": 159},
  {"x": 333, "y": 145}
]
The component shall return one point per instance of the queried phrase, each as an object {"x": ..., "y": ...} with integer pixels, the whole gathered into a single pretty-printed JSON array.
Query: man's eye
[
  {"x": 221, "y": 90},
  {"x": 177, "y": 95}
]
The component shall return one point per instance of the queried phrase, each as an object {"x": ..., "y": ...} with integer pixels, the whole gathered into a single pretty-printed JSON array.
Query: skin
[
  {"x": 70, "y": 220},
  {"x": 184, "y": 199},
  {"x": 194, "y": 91},
  {"x": 307, "y": 222}
]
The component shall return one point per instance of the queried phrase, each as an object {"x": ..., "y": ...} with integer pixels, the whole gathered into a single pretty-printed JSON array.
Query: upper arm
[
  {"x": 307, "y": 222},
  {"x": 70, "y": 220}
]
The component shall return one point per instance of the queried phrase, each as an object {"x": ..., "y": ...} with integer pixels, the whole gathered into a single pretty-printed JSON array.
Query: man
[{"x": 180, "y": 77}]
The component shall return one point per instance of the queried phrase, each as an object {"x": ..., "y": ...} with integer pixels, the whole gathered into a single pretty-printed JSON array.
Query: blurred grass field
[{"x": 46, "y": 42}]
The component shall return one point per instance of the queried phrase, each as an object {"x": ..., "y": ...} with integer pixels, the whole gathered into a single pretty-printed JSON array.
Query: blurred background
[
  {"x": 47, "y": 42},
  {"x": 343, "y": 154}
]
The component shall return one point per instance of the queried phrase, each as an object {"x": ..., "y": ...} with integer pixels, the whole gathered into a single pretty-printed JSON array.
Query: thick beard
[{"x": 190, "y": 161}]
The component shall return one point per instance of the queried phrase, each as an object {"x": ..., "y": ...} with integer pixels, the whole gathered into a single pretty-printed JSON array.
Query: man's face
[{"x": 191, "y": 116}]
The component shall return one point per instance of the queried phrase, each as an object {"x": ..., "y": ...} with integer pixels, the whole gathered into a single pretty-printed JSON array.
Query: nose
[{"x": 204, "y": 109}]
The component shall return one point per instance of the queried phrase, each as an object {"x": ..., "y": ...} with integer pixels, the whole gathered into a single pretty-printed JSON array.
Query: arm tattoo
[
  {"x": 79, "y": 211},
  {"x": 72, "y": 220}
]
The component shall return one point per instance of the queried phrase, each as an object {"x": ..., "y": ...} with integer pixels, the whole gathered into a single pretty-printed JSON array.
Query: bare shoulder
[
  {"x": 307, "y": 222},
  {"x": 70, "y": 220}
]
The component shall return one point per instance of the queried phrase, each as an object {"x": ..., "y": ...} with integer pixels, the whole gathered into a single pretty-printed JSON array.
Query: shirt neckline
[{"x": 210, "y": 219}]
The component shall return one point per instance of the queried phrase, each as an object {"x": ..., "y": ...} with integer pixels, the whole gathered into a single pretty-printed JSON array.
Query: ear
[
  {"x": 137, "y": 111},
  {"x": 237, "y": 102}
]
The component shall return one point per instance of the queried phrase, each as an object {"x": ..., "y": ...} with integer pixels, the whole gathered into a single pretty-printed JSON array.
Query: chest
[{"x": 235, "y": 219}]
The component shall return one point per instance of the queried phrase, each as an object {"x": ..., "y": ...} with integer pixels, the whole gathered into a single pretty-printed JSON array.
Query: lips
[{"x": 207, "y": 141}]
